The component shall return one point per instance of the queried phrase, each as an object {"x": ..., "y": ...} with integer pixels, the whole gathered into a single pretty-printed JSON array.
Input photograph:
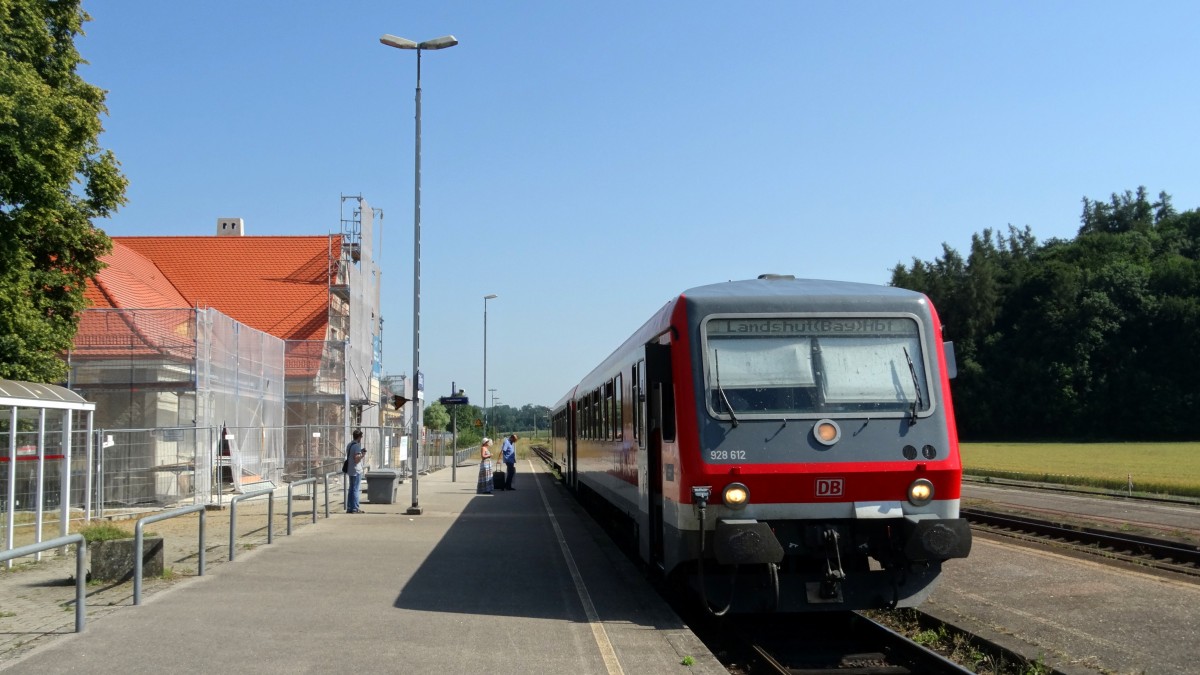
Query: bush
[{"x": 104, "y": 532}]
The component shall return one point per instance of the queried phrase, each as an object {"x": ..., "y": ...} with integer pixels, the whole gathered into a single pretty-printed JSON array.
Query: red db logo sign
[{"x": 830, "y": 487}]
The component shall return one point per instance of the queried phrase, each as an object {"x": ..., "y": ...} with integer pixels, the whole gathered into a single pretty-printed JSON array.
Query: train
[{"x": 777, "y": 444}]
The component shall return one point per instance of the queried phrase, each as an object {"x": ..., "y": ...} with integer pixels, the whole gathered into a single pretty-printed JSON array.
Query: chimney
[{"x": 230, "y": 227}]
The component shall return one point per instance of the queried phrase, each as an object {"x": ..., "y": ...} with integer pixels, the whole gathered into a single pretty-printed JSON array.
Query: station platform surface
[{"x": 515, "y": 582}]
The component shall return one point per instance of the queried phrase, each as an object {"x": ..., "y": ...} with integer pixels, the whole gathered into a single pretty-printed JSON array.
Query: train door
[{"x": 660, "y": 426}]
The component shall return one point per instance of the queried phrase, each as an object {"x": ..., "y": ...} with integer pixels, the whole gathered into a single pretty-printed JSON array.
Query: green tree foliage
[
  {"x": 436, "y": 416},
  {"x": 1081, "y": 339},
  {"x": 54, "y": 180},
  {"x": 502, "y": 420}
]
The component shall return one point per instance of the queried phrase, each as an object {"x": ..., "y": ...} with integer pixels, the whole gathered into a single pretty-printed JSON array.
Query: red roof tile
[
  {"x": 130, "y": 281},
  {"x": 278, "y": 285}
]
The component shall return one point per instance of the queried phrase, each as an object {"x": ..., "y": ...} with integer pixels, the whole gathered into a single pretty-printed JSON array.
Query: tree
[
  {"x": 436, "y": 416},
  {"x": 1083, "y": 339},
  {"x": 54, "y": 180}
]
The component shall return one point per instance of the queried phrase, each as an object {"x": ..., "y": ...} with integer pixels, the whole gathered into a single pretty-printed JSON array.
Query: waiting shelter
[{"x": 37, "y": 434}]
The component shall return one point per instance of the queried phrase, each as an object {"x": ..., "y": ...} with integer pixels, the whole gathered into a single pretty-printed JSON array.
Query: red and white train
[{"x": 778, "y": 444}]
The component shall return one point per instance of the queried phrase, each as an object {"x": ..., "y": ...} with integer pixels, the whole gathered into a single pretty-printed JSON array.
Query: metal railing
[
  {"x": 233, "y": 516},
  {"x": 326, "y": 477},
  {"x": 80, "y": 567},
  {"x": 138, "y": 539},
  {"x": 312, "y": 494}
]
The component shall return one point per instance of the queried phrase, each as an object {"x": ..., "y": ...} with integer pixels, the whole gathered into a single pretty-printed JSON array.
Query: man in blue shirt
[
  {"x": 354, "y": 472},
  {"x": 509, "y": 454}
]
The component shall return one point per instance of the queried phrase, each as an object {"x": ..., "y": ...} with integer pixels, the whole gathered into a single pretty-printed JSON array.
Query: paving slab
[{"x": 513, "y": 582}]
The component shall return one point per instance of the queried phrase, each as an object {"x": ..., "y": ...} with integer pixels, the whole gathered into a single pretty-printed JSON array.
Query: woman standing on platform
[{"x": 484, "y": 486}]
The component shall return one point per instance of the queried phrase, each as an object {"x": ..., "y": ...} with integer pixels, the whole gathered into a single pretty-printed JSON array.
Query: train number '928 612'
[{"x": 777, "y": 444}]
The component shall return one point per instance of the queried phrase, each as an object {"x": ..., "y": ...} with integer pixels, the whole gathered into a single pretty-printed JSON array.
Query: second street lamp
[
  {"x": 404, "y": 43},
  {"x": 491, "y": 296}
]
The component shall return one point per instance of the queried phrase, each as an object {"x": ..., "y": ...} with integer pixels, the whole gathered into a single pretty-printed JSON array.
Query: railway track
[
  {"x": 1156, "y": 553},
  {"x": 844, "y": 642}
]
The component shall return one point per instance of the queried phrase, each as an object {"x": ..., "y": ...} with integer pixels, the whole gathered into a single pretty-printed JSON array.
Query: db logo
[{"x": 830, "y": 487}]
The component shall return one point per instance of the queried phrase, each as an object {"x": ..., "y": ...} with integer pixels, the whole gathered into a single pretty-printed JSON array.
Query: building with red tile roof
[{"x": 189, "y": 331}]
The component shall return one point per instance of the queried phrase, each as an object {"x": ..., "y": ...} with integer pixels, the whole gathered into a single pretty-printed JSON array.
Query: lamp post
[
  {"x": 491, "y": 296},
  {"x": 493, "y": 403},
  {"x": 404, "y": 43}
]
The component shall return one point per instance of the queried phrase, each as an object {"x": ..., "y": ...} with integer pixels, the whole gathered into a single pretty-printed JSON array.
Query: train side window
[
  {"x": 661, "y": 386},
  {"x": 596, "y": 434},
  {"x": 606, "y": 412},
  {"x": 618, "y": 428},
  {"x": 580, "y": 421},
  {"x": 636, "y": 403}
]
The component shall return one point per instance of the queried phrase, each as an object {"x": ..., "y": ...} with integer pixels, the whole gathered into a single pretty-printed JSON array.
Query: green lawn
[{"x": 1163, "y": 468}]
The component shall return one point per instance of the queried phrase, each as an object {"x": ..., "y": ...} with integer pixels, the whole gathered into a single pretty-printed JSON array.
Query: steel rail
[{"x": 1160, "y": 553}]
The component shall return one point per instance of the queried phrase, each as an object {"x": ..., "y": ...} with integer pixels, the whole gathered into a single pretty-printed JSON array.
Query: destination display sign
[
  {"x": 453, "y": 400},
  {"x": 812, "y": 326}
]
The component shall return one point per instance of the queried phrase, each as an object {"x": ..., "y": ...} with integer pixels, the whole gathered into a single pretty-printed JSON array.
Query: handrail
[
  {"x": 80, "y": 567},
  {"x": 233, "y": 516},
  {"x": 331, "y": 473},
  {"x": 138, "y": 540},
  {"x": 312, "y": 493}
]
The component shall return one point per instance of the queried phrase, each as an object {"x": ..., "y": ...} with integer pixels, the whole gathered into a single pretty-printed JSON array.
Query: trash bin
[{"x": 382, "y": 485}]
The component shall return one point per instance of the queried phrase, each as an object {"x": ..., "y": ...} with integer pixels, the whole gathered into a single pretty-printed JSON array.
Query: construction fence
[{"x": 145, "y": 470}]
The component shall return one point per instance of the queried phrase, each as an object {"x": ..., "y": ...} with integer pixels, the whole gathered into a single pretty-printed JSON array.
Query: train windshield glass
[{"x": 818, "y": 365}]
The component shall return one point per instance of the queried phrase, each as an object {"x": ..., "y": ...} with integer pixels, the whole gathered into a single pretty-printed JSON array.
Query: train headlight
[
  {"x": 920, "y": 492},
  {"x": 827, "y": 432},
  {"x": 735, "y": 495}
]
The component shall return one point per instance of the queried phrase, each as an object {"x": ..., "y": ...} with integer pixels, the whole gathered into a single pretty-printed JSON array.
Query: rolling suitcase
[{"x": 498, "y": 479}]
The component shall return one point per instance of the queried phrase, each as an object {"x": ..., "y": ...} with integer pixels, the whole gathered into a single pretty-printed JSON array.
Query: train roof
[
  {"x": 767, "y": 293},
  {"x": 776, "y": 285}
]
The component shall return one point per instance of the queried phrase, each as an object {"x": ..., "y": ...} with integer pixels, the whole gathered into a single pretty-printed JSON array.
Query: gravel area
[{"x": 37, "y": 599}]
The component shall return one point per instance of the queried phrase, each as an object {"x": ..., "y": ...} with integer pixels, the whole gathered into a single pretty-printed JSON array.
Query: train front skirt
[{"x": 792, "y": 566}]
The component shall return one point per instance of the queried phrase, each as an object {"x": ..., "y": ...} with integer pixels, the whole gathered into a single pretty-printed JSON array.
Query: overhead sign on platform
[{"x": 453, "y": 400}]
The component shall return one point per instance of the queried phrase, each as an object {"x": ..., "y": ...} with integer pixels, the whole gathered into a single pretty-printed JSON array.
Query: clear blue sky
[{"x": 588, "y": 160}]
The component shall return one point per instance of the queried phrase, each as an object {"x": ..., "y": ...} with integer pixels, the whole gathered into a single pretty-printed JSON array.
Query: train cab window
[{"x": 797, "y": 365}]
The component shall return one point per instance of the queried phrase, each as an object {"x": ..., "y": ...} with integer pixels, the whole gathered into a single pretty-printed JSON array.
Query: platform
[{"x": 515, "y": 582}]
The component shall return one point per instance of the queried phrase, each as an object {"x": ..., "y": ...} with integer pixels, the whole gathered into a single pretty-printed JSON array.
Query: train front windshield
[{"x": 814, "y": 365}]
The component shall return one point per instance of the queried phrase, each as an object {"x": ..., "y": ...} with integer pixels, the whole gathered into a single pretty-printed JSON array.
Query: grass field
[{"x": 1157, "y": 468}]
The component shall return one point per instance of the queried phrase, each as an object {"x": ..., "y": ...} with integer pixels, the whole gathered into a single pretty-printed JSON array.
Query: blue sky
[{"x": 586, "y": 161}]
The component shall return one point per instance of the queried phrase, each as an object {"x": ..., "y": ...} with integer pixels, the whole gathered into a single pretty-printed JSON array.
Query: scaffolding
[{"x": 181, "y": 391}]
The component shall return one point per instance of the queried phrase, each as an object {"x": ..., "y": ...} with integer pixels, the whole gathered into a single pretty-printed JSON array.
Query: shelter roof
[{"x": 37, "y": 395}]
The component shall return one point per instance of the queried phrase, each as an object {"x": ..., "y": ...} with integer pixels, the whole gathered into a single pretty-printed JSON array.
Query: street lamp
[
  {"x": 491, "y": 296},
  {"x": 403, "y": 43},
  {"x": 494, "y": 399}
]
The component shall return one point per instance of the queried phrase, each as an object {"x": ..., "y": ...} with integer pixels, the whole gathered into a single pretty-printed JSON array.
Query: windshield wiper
[
  {"x": 920, "y": 402},
  {"x": 725, "y": 399}
]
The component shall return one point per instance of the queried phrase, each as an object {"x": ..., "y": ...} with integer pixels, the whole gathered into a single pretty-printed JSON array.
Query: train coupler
[{"x": 829, "y": 589}]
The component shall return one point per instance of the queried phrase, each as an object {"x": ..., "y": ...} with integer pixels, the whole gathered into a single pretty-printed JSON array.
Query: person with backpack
[{"x": 353, "y": 468}]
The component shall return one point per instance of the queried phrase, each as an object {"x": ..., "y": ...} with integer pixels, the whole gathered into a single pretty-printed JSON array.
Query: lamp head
[
  {"x": 404, "y": 43},
  {"x": 398, "y": 42},
  {"x": 439, "y": 43}
]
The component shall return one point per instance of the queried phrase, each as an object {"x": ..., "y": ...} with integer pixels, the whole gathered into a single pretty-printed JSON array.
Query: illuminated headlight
[
  {"x": 920, "y": 492},
  {"x": 735, "y": 495},
  {"x": 827, "y": 432}
]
